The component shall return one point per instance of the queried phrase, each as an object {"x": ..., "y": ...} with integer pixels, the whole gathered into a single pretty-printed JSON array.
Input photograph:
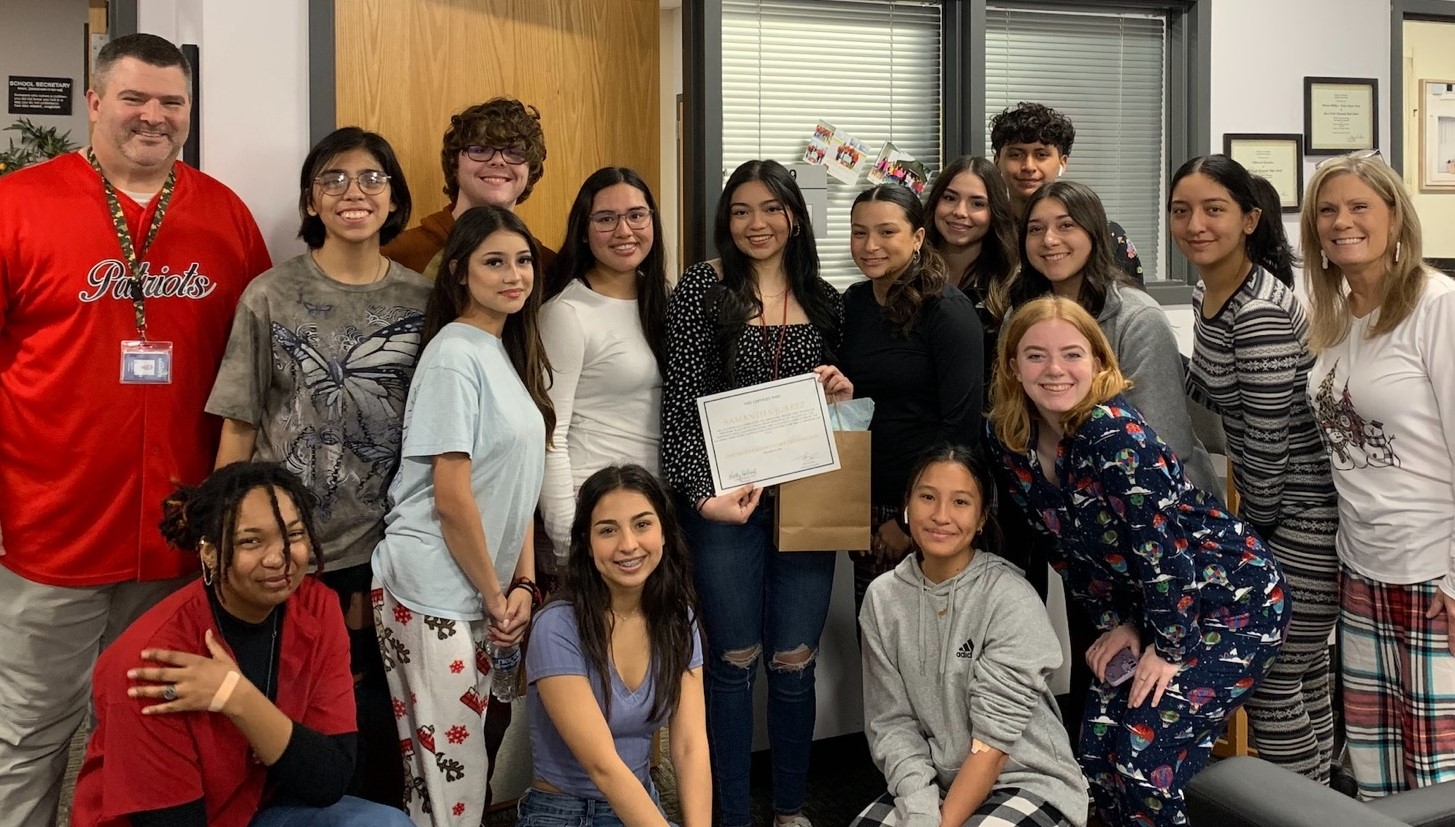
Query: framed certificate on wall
[
  {"x": 1275, "y": 156},
  {"x": 1340, "y": 115}
]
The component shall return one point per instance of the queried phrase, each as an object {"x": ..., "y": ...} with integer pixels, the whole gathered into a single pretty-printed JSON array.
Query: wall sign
[{"x": 39, "y": 96}]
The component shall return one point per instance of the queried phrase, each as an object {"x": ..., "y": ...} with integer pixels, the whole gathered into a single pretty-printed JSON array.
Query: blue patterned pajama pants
[{"x": 1139, "y": 760}]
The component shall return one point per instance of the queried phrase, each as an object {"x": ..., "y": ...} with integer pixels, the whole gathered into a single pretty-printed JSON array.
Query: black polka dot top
[{"x": 695, "y": 368}]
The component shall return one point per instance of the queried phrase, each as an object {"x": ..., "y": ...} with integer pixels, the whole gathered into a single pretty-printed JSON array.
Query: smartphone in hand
[{"x": 1121, "y": 667}]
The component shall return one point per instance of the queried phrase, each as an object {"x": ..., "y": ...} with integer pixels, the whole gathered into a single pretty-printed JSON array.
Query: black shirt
[{"x": 928, "y": 387}]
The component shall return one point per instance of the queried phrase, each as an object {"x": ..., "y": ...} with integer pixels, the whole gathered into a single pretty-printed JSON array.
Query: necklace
[
  {"x": 766, "y": 337},
  {"x": 268, "y": 688},
  {"x": 378, "y": 276}
]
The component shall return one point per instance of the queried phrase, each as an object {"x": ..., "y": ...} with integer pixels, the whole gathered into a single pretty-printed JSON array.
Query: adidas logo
[{"x": 967, "y": 650}]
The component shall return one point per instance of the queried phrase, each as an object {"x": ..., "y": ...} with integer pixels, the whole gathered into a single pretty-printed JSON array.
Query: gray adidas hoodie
[{"x": 946, "y": 663}]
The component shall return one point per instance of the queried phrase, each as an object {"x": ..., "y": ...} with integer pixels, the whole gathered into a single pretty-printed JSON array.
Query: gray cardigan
[{"x": 1146, "y": 349}]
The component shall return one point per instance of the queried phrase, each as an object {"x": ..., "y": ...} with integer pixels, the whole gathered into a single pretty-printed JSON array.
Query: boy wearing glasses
[
  {"x": 1032, "y": 144},
  {"x": 315, "y": 377},
  {"x": 494, "y": 153}
]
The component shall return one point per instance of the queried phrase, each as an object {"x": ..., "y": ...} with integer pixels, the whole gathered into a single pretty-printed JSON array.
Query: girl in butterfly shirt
[{"x": 314, "y": 378}]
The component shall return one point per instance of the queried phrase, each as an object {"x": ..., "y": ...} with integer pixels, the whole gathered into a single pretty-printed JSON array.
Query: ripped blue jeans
[{"x": 756, "y": 600}]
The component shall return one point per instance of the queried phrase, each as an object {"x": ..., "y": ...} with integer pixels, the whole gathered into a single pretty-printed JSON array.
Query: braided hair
[{"x": 207, "y": 513}]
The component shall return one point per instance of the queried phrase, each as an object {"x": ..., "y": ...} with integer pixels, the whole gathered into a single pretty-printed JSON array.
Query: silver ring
[{"x": 169, "y": 692}]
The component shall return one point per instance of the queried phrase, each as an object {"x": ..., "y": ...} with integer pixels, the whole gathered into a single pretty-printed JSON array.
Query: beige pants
[{"x": 49, "y": 639}]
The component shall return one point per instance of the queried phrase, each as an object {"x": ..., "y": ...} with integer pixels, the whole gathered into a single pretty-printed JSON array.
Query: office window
[
  {"x": 1106, "y": 70},
  {"x": 869, "y": 67}
]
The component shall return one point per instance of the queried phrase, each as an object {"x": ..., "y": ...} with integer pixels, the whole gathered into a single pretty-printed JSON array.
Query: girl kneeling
[
  {"x": 957, "y": 654},
  {"x": 613, "y": 659},
  {"x": 1167, "y": 574}
]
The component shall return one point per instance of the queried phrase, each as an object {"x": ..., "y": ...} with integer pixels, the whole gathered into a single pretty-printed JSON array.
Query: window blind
[
  {"x": 1106, "y": 71},
  {"x": 869, "y": 67}
]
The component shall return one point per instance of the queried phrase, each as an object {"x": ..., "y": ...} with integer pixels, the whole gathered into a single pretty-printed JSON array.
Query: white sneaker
[{"x": 799, "y": 820}]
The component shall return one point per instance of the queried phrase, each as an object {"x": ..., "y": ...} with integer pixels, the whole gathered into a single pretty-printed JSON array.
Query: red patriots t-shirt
[{"x": 85, "y": 461}]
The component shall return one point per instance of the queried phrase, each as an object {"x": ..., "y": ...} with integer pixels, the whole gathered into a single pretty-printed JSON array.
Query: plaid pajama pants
[
  {"x": 1399, "y": 686},
  {"x": 1004, "y": 808}
]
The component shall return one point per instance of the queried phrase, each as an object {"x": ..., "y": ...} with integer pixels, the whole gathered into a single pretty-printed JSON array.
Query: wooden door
[{"x": 403, "y": 67}]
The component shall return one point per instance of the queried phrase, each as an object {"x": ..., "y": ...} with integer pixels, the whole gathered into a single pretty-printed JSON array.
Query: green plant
[{"x": 36, "y": 144}]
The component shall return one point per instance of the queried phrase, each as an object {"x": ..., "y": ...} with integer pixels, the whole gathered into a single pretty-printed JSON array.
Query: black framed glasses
[
  {"x": 371, "y": 182},
  {"x": 637, "y": 218},
  {"x": 1363, "y": 153},
  {"x": 482, "y": 154}
]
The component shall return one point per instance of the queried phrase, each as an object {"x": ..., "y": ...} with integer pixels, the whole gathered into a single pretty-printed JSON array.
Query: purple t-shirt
[{"x": 555, "y": 649}]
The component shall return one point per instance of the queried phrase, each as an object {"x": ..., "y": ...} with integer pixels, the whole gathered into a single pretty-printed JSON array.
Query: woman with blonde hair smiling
[
  {"x": 1176, "y": 584},
  {"x": 1383, "y": 391}
]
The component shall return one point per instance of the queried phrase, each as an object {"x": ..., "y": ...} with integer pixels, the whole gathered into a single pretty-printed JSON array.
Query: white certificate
[{"x": 766, "y": 434}]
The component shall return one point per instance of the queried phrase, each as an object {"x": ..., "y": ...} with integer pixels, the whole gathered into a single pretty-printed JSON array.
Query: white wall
[
  {"x": 46, "y": 40},
  {"x": 669, "y": 34},
  {"x": 254, "y": 100},
  {"x": 1262, "y": 50},
  {"x": 1429, "y": 53}
]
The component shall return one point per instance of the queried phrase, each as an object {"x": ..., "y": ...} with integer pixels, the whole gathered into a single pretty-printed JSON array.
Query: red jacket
[{"x": 136, "y": 762}]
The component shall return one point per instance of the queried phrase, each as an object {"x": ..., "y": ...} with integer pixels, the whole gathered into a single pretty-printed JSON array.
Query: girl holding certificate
[{"x": 759, "y": 313}]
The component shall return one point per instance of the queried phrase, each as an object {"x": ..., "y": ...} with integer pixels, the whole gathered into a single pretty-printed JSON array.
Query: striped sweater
[{"x": 1250, "y": 364}]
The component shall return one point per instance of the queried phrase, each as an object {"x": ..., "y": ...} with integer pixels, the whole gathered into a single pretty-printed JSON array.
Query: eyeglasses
[
  {"x": 637, "y": 218},
  {"x": 1363, "y": 153},
  {"x": 482, "y": 154},
  {"x": 371, "y": 182}
]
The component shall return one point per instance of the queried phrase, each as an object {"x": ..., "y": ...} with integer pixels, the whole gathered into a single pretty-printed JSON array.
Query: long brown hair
[
  {"x": 922, "y": 280},
  {"x": 999, "y": 250},
  {"x": 669, "y": 601},
  {"x": 522, "y": 333},
  {"x": 1013, "y": 410},
  {"x": 1404, "y": 278},
  {"x": 1100, "y": 271}
]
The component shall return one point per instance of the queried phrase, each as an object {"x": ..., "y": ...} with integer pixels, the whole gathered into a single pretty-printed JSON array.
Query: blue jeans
[
  {"x": 538, "y": 808},
  {"x": 348, "y": 812},
  {"x": 755, "y": 598}
]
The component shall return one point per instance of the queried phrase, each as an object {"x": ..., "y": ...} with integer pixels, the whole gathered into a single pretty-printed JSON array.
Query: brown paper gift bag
[{"x": 829, "y": 512}]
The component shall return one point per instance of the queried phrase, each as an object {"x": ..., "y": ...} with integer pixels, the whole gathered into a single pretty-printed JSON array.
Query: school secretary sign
[{"x": 39, "y": 96}]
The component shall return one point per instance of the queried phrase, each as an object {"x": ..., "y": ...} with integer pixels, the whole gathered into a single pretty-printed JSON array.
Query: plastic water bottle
[{"x": 504, "y": 670}]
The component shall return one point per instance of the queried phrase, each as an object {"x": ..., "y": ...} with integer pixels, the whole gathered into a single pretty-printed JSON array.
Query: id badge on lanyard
[{"x": 143, "y": 361}]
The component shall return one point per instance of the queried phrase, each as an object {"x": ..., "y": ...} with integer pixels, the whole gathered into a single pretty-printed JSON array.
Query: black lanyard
[{"x": 123, "y": 236}]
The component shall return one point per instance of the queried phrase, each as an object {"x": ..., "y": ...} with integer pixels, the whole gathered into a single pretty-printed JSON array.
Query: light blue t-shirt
[
  {"x": 555, "y": 649},
  {"x": 466, "y": 397}
]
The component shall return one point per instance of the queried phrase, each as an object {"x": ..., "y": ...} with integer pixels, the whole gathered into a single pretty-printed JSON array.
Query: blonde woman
[{"x": 1383, "y": 391}]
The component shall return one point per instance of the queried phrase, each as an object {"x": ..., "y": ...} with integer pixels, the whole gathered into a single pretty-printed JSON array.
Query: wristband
[
  {"x": 536, "y": 598},
  {"x": 224, "y": 692}
]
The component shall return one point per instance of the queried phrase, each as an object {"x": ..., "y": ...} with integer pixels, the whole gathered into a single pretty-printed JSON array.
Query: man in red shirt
[{"x": 120, "y": 269}]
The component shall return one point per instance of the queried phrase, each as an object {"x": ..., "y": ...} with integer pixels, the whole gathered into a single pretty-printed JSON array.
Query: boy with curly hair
[
  {"x": 493, "y": 153},
  {"x": 1031, "y": 144}
]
